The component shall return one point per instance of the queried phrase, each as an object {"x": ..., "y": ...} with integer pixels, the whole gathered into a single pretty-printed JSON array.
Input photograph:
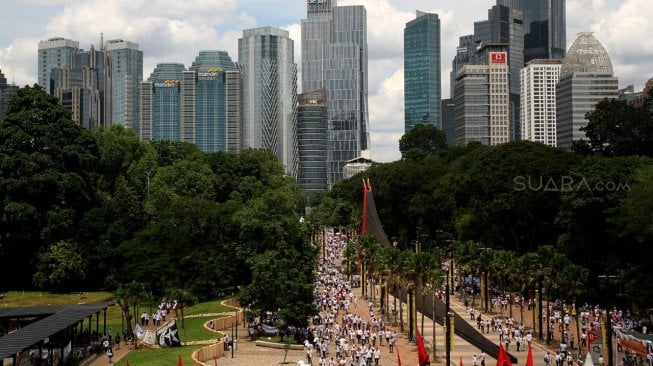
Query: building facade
[
  {"x": 54, "y": 53},
  {"x": 266, "y": 58},
  {"x": 422, "y": 76},
  {"x": 160, "y": 103},
  {"x": 505, "y": 25},
  {"x": 545, "y": 24},
  {"x": 126, "y": 68},
  {"x": 213, "y": 111},
  {"x": 6, "y": 92},
  {"x": 586, "y": 77},
  {"x": 334, "y": 57},
  {"x": 312, "y": 141},
  {"x": 538, "y": 100},
  {"x": 482, "y": 99}
]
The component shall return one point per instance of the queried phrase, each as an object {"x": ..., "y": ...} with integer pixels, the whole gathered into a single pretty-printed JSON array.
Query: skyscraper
[
  {"x": 422, "y": 71},
  {"x": 266, "y": 58},
  {"x": 54, "y": 53},
  {"x": 585, "y": 79},
  {"x": 465, "y": 55},
  {"x": 160, "y": 103},
  {"x": 6, "y": 92},
  {"x": 505, "y": 25},
  {"x": 212, "y": 109},
  {"x": 126, "y": 65},
  {"x": 334, "y": 57},
  {"x": 538, "y": 100},
  {"x": 83, "y": 88},
  {"x": 481, "y": 105},
  {"x": 544, "y": 29},
  {"x": 312, "y": 141}
]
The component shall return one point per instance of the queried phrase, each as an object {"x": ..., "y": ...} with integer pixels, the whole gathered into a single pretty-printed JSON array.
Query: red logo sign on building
[{"x": 498, "y": 57}]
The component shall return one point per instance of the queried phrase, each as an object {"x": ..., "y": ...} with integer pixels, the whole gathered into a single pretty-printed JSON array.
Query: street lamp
[
  {"x": 447, "y": 320},
  {"x": 608, "y": 318}
]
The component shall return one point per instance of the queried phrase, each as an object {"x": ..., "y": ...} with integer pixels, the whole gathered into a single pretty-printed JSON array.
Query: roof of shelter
[{"x": 60, "y": 318}]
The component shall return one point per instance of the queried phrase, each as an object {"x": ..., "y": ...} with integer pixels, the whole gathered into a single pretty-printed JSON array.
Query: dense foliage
[
  {"x": 549, "y": 216},
  {"x": 86, "y": 210}
]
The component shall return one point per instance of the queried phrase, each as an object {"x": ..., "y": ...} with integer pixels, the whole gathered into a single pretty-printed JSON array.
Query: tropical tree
[
  {"x": 422, "y": 140},
  {"x": 46, "y": 168},
  {"x": 183, "y": 299}
]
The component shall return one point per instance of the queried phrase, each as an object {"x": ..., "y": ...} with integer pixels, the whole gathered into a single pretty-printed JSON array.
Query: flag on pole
[
  {"x": 179, "y": 361},
  {"x": 529, "y": 358},
  {"x": 422, "y": 354},
  {"x": 503, "y": 359},
  {"x": 398, "y": 358}
]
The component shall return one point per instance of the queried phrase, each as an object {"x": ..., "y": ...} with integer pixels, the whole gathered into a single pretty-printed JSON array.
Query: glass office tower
[
  {"x": 422, "y": 71},
  {"x": 160, "y": 103},
  {"x": 126, "y": 63},
  {"x": 334, "y": 57},
  {"x": 266, "y": 58},
  {"x": 209, "y": 102},
  {"x": 55, "y": 53}
]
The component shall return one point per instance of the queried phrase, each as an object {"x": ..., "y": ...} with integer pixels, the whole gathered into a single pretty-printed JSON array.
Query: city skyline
[{"x": 169, "y": 31}]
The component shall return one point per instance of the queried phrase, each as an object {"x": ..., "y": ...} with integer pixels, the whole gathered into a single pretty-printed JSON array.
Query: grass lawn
[
  {"x": 212, "y": 306},
  {"x": 194, "y": 330},
  {"x": 36, "y": 298},
  {"x": 159, "y": 357}
]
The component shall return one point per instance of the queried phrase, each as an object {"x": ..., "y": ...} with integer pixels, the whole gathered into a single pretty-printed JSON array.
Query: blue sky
[{"x": 175, "y": 31}]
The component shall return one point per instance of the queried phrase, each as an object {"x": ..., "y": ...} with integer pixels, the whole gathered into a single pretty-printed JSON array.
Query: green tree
[
  {"x": 422, "y": 140},
  {"x": 184, "y": 299},
  {"x": 60, "y": 268},
  {"x": 616, "y": 128},
  {"x": 46, "y": 164}
]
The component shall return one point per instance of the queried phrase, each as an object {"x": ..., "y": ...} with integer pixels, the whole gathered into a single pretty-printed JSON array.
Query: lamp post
[
  {"x": 608, "y": 318},
  {"x": 447, "y": 319}
]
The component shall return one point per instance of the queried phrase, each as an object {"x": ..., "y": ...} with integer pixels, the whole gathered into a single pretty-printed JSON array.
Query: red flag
[
  {"x": 529, "y": 358},
  {"x": 422, "y": 354},
  {"x": 179, "y": 361},
  {"x": 461, "y": 361},
  {"x": 398, "y": 358},
  {"x": 503, "y": 359}
]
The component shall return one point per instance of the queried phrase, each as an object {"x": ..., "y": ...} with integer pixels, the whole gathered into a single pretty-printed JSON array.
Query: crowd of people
[{"x": 344, "y": 333}]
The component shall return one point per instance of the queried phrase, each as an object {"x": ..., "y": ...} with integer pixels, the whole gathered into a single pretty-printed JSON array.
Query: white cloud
[{"x": 175, "y": 31}]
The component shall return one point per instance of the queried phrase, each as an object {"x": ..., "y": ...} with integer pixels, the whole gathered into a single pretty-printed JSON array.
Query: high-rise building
[
  {"x": 6, "y": 92},
  {"x": 422, "y": 71},
  {"x": 465, "y": 55},
  {"x": 126, "y": 65},
  {"x": 266, "y": 58},
  {"x": 334, "y": 57},
  {"x": 505, "y": 24},
  {"x": 83, "y": 88},
  {"x": 538, "y": 100},
  {"x": 586, "y": 78},
  {"x": 54, "y": 53},
  {"x": 482, "y": 101},
  {"x": 312, "y": 141},
  {"x": 545, "y": 34},
  {"x": 160, "y": 103},
  {"x": 213, "y": 112},
  {"x": 447, "y": 119}
]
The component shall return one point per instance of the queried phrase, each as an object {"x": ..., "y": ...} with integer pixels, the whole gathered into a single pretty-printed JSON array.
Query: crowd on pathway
[{"x": 343, "y": 333}]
